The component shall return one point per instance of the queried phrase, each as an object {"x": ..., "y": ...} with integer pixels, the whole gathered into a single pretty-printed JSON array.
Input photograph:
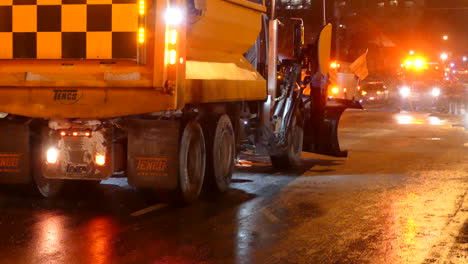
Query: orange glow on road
[
  {"x": 435, "y": 121},
  {"x": 406, "y": 119},
  {"x": 50, "y": 241},
  {"x": 100, "y": 233}
]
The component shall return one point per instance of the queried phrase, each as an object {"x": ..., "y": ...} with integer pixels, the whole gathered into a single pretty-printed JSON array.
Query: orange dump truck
[{"x": 163, "y": 92}]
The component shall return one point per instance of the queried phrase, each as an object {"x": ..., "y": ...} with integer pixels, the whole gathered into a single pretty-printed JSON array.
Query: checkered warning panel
[{"x": 68, "y": 29}]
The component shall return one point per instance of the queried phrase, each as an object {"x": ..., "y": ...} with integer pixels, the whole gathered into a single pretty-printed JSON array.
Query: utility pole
[
  {"x": 337, "y": 12},
  {"x": 273, "y": 6},
  {"x": 324, "y": 12}
]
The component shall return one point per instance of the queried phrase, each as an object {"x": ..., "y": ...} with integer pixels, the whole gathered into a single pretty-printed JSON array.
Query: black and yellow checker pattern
[{"x": 68, "y": 29}]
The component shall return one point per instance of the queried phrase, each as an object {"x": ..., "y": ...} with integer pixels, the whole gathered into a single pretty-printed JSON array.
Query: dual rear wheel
[{"x": 206, "y": 157}]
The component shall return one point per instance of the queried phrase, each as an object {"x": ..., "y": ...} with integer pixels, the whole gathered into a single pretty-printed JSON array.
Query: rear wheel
[
  {"x": 292, "y": 153},
  {"x": 48, "y": 188},
  {"x": 221, "y": 147},
  {"x": 192, "y": 157}
]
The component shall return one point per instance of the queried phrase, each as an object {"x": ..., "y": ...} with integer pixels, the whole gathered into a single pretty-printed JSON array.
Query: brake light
[{"x": 100, "y": 159}]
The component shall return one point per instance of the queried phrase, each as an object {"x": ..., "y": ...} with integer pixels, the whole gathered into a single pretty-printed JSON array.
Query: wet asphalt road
[{"x": 400, "y": 197}]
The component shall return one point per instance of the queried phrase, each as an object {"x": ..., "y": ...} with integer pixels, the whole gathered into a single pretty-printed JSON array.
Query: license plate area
[{"x": 78, "y": 169}]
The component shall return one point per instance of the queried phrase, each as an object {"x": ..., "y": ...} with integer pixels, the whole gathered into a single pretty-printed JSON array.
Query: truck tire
[
  {"x": 48, "y": 188},
  {"x": 221, "y": 151},
  {"x": 192, "y": 158},
  {"x": 292, "y": 153}
]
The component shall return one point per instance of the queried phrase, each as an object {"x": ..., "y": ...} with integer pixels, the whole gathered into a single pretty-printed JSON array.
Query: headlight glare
[
  {"x": 435, "y": 92},
  {"x": 173, "y": 16},
  {"x": 405, "y": 91}
]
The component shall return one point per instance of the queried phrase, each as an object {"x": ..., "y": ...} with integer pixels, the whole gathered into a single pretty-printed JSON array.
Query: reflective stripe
[{"x": 68, "y": 29}]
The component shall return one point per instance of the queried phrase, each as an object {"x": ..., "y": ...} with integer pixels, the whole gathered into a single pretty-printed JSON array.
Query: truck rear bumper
[{"x": 76, "y": 157}]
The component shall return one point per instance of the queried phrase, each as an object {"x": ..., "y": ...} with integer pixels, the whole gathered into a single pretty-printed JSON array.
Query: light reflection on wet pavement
[{"x": 400, "y": 197}]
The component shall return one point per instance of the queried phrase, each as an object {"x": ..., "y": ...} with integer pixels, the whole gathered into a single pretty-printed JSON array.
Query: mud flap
[
  {"x": 324, "y": 138},
  {"x": 14, "y": 152},
  {"x": 153, "y": 151}
]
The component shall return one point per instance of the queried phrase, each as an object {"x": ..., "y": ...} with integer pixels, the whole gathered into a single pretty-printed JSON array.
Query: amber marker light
[
  {"x": 141, "y": 35},
  {"x": 172, "y": 37},
  {"x": 142, "y": 7}
]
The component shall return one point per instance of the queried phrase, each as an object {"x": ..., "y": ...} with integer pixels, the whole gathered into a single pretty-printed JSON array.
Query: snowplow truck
[{"x": 163, "y": 92}]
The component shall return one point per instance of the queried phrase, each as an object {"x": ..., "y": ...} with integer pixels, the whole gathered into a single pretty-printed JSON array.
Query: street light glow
[{"x": 445, "y": 37}]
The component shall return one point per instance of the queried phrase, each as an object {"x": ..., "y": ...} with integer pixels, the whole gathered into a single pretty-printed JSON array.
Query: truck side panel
[
  {"x": 14, "y": 152},
  {"x": 216, "y": 70}
]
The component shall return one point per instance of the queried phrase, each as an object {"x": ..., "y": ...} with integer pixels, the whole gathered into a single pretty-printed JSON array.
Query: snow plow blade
[{"x": 321, "y": 134}]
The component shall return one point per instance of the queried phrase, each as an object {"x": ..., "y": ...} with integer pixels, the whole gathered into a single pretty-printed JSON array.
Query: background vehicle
[
  {"x": 343, "y": 82},
  {"x": 422, "y": 85},
  {"x": 373, "y": 92},
  {"x": 422, "y": 96},
  {"x": 166, "y": 99}
]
